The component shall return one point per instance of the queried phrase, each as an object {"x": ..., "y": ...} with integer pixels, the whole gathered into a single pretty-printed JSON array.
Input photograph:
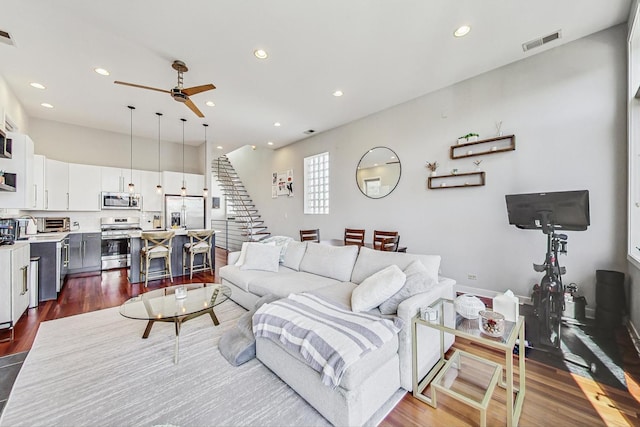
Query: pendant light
[
  {"x": 132, "y": 187},
  {"x": 183, "y": 190},
  {"x": 205, "y": 190},
  {"x": 159, "y": 186}
]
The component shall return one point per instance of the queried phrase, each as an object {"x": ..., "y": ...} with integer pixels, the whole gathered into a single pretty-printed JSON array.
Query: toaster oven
[{"x": 53, "y": 224}]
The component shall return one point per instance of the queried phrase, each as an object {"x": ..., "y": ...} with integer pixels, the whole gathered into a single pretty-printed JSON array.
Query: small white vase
[
  {"x": 468, "y": 306},
  {"x": 434, "y": 173}
]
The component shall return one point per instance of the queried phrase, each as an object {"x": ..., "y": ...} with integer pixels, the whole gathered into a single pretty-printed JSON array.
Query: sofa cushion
[
  {"x": 339, "y": 293},
  {"x": 242, "y": 278},
  {"x": 370, "y": 261},
  {"x": 243, "y": 251},
  {"x": 418, "y": 280},
  {"x": 377, "y": 288},
  {"x": 261, "y": 257},
  {"x": 335, "y": 262},
  {"x": 293, "y": 254},
  {"x": 286, "y": 284}
]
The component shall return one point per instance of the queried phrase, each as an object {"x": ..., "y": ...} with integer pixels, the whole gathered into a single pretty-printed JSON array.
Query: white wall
[
  {"x": 566, "y": 107},
  {"x": 12, "y": 108},
  {"x": 78, "y": 144}
]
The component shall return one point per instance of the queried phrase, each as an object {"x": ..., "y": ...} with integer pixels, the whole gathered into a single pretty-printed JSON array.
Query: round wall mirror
[{"x": 378, "y": 172}]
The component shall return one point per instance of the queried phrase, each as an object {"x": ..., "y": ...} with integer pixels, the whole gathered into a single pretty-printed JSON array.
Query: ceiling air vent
[
  {"x": 309, "y": 132},
  {"x": 542, "y": 40},
  {"x": 5, "y": 38}
]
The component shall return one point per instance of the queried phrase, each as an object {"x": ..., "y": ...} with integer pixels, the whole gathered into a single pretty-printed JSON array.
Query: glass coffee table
[
  {"x": 176, "y": 304},
  {"x": 460, "y": 372}
]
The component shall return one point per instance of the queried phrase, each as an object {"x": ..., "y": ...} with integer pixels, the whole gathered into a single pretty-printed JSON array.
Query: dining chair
[
  {"x": 157, "y": 244},
  {"x": 354, "y": 236},
  {"x": 311, "y": 235},
  {"x": 386, "y": 240}
]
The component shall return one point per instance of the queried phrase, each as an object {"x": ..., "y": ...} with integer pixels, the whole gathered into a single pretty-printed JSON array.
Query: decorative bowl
[
  {"x": 491, "y": 323},
  {"x": 468, "y": 306}
]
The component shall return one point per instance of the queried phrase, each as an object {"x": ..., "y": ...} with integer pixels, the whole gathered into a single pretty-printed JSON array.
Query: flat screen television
[{"x": 562, "y": 210}]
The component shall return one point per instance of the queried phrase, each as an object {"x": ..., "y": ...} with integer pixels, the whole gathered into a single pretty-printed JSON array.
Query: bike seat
[{"x": 539, "y": 267}]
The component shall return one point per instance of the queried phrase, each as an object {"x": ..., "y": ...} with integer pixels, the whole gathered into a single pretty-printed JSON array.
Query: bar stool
[
  {"x": 157, "y": 244},
  {"x": 199, "y": 243}
]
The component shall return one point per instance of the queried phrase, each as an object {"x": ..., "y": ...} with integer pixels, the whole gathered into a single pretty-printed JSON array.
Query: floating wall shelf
[
  {"x": 9, "y": 182},
  {"x": 459, "y": 180},
  {"x": 499, "y": 144}
]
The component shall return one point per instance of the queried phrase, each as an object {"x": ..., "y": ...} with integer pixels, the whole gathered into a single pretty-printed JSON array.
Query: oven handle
[{"x": 114, "y": 237}]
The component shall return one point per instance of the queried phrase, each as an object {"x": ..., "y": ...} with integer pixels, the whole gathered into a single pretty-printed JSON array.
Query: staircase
[{"x": 243, "y": 223}]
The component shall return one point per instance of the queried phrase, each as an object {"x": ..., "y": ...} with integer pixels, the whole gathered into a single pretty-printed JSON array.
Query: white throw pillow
[
  {"x": 293, "y": 255},
  {"x": 261, "y": 257},
  {"x": 377, "y": 288},
  {"x": 418, "y": 280},
  {"x": 281, "y": 242},
  {"x": 243, "y": 251}
]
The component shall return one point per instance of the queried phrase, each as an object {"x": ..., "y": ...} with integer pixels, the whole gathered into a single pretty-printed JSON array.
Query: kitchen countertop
[
  {"x": 179, "y": 232},
  {"x": 16, "y": 245},
  {"x": 46, "y": 237}
]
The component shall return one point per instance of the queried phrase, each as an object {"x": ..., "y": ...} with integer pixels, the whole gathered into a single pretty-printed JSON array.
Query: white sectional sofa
[{"x": 334, "y": 272}]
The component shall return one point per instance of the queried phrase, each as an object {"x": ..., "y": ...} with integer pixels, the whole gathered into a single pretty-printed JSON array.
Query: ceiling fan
[{"x": 178, "y": 93}]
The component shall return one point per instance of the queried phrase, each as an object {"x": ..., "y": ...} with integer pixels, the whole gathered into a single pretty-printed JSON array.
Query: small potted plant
[
  {"x": 470, "y": 137},
  {"x": 432, "y": 167},
  {"x": 477, "y": 163}
]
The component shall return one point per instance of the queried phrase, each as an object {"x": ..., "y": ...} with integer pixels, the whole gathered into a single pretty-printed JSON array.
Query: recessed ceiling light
[
  {"x": 210, "y": 104},
  {"x": 219, "y": 147},
  {"x": 260, "y": 54},
  {"x": 462, "y": 31},
  {"x": 46, "y": 105},
  {"x": 101, "y": 71},
  {"x": 277, "y": 124},
  {"x": 338, "y": 93},
  {"x": 37, "y": 85},
  {"x": 270, "y": 143}
]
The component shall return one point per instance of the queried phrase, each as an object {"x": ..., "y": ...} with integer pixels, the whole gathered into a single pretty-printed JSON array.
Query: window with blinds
[{"x": 316, "y": 184}]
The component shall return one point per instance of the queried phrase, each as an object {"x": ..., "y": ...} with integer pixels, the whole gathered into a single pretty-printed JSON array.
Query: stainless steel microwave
[{"x": 120, "y": 200}]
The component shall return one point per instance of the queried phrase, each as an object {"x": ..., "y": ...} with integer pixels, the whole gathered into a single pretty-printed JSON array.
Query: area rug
[{"x": 94, "y": 369}]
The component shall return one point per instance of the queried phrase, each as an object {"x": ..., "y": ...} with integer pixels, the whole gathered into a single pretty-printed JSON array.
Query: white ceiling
[{"x": 378, "y": 52}]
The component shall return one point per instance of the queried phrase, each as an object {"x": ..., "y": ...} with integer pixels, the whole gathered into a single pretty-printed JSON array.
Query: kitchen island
[{"x": 157, "y": 264}]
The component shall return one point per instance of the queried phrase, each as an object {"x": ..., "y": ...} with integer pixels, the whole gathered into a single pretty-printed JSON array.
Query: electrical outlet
[{"x": 472, "y": 276}]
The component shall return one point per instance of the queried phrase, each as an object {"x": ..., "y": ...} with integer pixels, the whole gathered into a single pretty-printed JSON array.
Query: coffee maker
[{"x": 8, "y": 231}]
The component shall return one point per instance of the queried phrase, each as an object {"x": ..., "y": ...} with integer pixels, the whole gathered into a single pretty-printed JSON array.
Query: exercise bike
[{"x": 548, "y": 296}]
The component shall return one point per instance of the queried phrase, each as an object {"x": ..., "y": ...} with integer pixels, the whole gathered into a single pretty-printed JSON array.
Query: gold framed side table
[{"x": 449, "y": 322}]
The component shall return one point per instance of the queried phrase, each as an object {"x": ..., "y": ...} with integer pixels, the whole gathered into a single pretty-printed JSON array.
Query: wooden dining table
[{"x": 340, "y": 242}]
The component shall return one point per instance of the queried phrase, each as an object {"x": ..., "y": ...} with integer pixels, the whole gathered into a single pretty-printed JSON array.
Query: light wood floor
[{"x": 553, "y": 397}]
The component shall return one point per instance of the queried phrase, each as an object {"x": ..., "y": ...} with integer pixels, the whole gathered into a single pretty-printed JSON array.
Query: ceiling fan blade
[
  {"x": 197, "y": 89},
  {"x": 142, "y": 87},
  {"x": 189, "y": 103}
]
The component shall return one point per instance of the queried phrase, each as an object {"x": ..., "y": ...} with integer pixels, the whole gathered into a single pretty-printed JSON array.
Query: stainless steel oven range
[{"x": 115, "y": 241}]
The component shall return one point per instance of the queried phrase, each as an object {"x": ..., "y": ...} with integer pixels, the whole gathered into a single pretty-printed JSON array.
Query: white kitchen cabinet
[
  {"x": 84, "y": 187},
  {"x": 172, "y": 183},
  {"x": 56, "y": 184},
  {"x": 37, "y": 196},
  {"x": 118, "y": 179},
  {"x": 14, "y": 282},
  {"x": 146, "y": 186},
  {"x": 20, "y": 164}
]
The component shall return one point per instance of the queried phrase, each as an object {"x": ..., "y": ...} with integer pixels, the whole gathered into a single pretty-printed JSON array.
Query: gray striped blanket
[{"x": 328, "y": 337}]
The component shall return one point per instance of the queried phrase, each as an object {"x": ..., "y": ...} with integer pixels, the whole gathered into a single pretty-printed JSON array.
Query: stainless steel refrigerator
[{"x": 184, "y": 212}]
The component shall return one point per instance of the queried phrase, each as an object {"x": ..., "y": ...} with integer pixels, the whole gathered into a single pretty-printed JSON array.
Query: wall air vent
[
  {"x": 542, "y": 40},
  {"x": 309, "y": 132},
  {"x": 6, "y": 38}
]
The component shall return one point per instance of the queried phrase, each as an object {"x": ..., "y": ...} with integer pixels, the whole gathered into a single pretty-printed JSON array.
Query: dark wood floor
[{"x": 553, "y": 396}]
